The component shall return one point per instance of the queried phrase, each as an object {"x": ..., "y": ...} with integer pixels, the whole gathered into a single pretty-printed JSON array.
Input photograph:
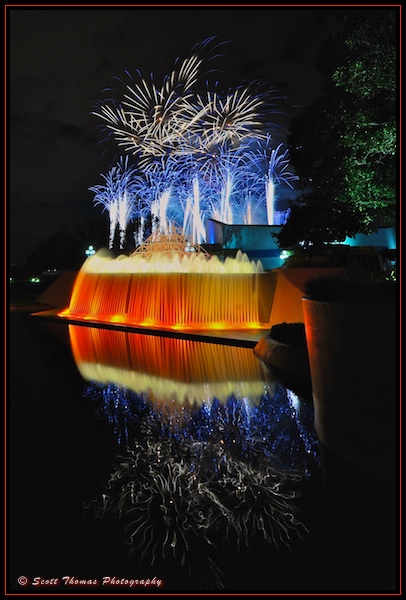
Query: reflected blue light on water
[
  {"x": 193, "y": 480},
  {"x": 210, "y": 489},
  {"x": 280, "y": 426},
  {"x": 197, "y": 470}
]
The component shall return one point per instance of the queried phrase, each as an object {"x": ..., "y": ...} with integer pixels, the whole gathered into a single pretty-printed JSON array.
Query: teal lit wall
[
  {"x": 384, "y": 238},
  {"x": 258, "y": 242}
]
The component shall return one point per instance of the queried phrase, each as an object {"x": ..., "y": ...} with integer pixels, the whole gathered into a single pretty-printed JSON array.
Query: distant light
[
  {"x": 11, "y": 279},
  {"x": 285, "y": 254},
  {"x": 35, "y": 280},
  {"x": 90, "y": 251}
]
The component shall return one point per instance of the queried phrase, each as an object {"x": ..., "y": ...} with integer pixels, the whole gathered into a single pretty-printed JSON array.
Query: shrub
[
  {"x": 315, "y": 260},
  {"x": 350, "y": 287}
]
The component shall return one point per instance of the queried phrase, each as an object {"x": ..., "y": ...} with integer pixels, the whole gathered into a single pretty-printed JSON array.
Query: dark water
[{"x": 79, "y": 450}]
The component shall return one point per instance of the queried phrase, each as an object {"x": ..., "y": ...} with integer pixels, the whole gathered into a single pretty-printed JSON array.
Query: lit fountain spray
[{"x": 165, "y": 285}]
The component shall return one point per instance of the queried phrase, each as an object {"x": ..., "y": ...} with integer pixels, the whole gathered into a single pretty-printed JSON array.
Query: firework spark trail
[
  {"x": 155, "y": 189},
  {"x": 203, "y": 137},
  {"x": 166, "y": 518},
  {"x": 182, "y": 491},
  {"x": 269, "y": 167},
  {"x": 197, "y": 227},
  {"x": 160, "y": 120},
  {"x": 270, "y": 199},
  {"x": 124, "y": 213},
  {"x": 118, "y": 197},
  {"x": 261, "y": 500},
  {"x": 113, "y": 216},
  {"x": 106, "y": 196},
  {"x": 177, "y": 513},
  {"x": 187, "y": 226},
  {"x": 221, "y": 174},
  {"x": 231, "y": 117},
  {"x": 150, "y": 120}
]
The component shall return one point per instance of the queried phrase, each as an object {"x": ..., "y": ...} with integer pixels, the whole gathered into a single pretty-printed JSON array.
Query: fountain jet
[{"x": 169, "y": 284}]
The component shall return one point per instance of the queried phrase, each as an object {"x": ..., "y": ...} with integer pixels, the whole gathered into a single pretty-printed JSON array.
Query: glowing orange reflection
[{"x": 167, "y": 368}]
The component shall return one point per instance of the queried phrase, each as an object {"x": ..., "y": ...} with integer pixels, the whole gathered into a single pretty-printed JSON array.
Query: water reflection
[
  {"x": 167, "y": 368},
  {"x": 211, "y": 450}
]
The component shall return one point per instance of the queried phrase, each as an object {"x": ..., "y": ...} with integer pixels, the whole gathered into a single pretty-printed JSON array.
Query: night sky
[{"x": 61, "y": 59}]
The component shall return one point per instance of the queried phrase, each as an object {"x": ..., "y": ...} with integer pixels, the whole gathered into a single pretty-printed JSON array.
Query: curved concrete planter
[
  {"x": 290, "y": 359},
  {"x": 352, "y": 352}
]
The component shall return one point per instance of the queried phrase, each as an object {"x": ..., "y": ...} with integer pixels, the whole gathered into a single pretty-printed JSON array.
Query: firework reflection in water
[{"x": 187, "y": 481}]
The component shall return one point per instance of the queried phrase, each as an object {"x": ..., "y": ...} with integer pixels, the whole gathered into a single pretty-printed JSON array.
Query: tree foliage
[
  {"x": 65, "y": 248},
  {"x": 344, "y": 145}
]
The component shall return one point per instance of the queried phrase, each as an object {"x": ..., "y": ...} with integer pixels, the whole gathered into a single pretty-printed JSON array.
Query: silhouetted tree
[
  {"x": 343, "y": 146},
  {"x": 65, "y": 249}
]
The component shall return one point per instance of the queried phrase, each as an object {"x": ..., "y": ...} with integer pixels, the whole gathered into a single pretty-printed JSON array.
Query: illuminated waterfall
[{"x": 173, "y": 290}]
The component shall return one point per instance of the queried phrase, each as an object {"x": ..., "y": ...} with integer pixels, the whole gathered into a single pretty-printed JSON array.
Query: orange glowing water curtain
[{"x": 188, "y": 293}]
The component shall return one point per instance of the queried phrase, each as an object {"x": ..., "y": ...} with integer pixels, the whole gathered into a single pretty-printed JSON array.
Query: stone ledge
[{"x": 290, "y": 359}]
